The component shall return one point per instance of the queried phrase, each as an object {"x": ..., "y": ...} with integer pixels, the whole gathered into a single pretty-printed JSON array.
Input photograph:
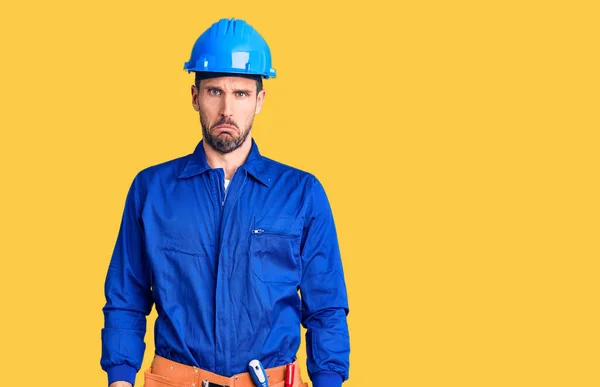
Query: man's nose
[{"x": 226, "y": 106}]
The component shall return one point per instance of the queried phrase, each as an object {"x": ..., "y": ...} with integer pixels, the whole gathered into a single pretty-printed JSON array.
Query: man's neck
[{"x": 229, "y": 161}]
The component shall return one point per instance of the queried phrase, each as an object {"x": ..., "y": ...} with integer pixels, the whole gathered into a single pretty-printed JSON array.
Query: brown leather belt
[{"x": 167, "y": 373}]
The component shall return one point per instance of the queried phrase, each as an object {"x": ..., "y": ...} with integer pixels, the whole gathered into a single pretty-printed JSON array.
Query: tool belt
[{"x": 168, "y": 373}]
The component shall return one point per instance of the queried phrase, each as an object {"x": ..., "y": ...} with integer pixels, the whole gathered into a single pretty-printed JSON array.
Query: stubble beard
[{"x": 224, "y": 143}]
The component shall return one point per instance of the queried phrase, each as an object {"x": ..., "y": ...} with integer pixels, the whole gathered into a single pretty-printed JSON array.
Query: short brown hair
[{"x": 200, "y": 75}]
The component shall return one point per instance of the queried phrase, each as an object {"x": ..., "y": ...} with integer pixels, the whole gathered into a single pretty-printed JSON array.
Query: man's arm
[
  {"x": 324, "y": 297},
  {"x": 128, "y": 297}
]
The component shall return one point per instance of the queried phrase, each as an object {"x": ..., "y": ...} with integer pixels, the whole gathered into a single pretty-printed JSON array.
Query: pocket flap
[{"x": 280, "y": 225}]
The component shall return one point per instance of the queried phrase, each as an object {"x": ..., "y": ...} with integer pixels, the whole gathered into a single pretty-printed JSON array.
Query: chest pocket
[{"x": 275, "y": 249}]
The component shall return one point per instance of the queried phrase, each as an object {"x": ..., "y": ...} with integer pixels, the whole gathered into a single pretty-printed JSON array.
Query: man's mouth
[{"x": 226, "y": 128}]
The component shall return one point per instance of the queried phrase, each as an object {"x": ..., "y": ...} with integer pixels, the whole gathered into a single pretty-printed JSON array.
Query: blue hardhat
[{"x": 231, "y": 46}]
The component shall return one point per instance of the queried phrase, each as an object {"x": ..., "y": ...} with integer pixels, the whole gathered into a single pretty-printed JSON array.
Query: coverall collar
[{"x": 254, "y": 164}]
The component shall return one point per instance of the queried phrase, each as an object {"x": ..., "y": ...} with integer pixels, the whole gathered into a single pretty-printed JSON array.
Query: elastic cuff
[
  {"x": 327, "y": 379},
  {"x": 123, "y": 372}
]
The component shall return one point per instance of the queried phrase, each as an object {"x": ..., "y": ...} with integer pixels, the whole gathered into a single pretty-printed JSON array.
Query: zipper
[
  {"x": 260, "y": 231},
  {"x": 227, "y": 189},
  {"x": 225, "y": 197}
]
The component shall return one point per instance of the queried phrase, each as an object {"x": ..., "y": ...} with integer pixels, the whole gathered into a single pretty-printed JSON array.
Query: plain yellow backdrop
[{"x": 457, "y": 140}]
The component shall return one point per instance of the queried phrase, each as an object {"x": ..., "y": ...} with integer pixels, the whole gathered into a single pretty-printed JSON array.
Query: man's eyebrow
[{"x": 247, "y": 91}]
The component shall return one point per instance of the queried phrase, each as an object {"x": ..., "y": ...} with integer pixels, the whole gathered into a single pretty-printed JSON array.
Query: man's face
[{"x": 227, "y": 106}]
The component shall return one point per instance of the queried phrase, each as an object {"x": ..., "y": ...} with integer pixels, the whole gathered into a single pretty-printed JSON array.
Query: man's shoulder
[
  {"x": 297, "y": 179},
  {"x": 279, "y": 169},
  {"x": 165, "y": 170}
]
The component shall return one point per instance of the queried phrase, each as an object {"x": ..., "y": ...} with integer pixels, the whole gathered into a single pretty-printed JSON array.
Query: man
[{"x": 235, "y": 250}]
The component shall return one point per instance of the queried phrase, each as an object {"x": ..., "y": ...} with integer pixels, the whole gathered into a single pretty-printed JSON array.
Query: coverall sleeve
[
  {"x": 324, "y": 295},
  {"x": 128, "y": 296}
]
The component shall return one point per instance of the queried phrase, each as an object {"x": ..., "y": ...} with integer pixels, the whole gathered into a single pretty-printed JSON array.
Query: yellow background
[{"x": 457, "y": 140}]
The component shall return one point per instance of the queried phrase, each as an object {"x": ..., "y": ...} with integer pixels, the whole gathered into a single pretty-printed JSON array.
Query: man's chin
[
  {"x": 225, "y": 147},
  {"x": 224, "y": 136},
  {"x": 226, "y": 141}
]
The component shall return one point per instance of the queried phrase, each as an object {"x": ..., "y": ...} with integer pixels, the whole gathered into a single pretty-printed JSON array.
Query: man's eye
[
  {"x": 214, "y": 91},
  {"x": 241, "y": 94}
]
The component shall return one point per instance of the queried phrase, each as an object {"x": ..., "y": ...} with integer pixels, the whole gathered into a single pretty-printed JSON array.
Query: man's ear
[
  {"x": 195, "y": 102},
  {"x": 260, "y": 99}
]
